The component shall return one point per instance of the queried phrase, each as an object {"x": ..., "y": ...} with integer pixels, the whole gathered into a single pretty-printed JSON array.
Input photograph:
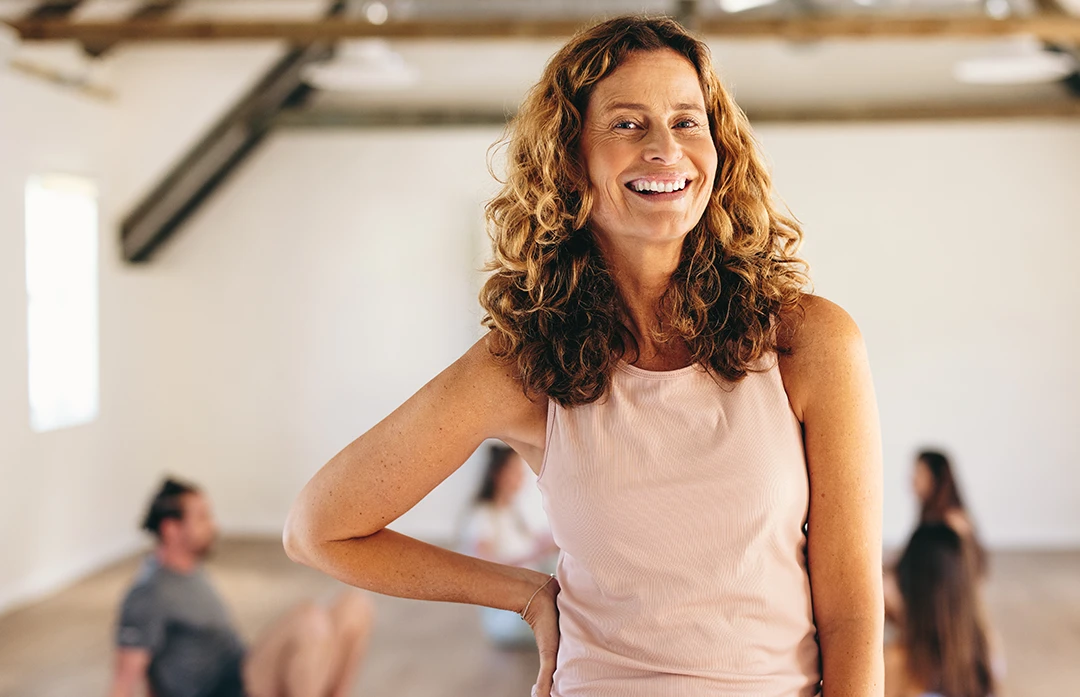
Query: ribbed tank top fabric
[{"x": 679, "y": 502}]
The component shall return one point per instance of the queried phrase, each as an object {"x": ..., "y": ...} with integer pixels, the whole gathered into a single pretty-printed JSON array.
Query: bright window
[{"x": 62, "y": 300}]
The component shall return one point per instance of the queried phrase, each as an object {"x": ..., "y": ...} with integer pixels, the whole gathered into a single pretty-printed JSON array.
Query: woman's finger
[
  {"x": 546, "y": 676},
  {"x": 544, "y": 619}
]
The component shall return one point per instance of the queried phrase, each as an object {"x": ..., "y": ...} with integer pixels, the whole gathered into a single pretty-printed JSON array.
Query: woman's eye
[
  {"x": 686, "y": 123},
  {"x": 626, "y": 125}
]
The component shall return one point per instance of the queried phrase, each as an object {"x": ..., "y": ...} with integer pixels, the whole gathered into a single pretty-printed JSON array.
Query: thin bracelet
[{"x": 551, "y": 577}]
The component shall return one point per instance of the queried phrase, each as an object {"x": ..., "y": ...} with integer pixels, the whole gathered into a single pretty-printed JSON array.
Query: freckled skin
[{"x": 665, "y": 132}]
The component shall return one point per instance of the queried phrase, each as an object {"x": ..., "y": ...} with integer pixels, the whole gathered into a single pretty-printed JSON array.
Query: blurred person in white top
[{"x": 497, "y": 529}]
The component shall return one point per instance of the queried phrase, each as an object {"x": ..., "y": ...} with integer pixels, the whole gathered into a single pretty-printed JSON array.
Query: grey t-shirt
[{"x": 181, "y": 621}]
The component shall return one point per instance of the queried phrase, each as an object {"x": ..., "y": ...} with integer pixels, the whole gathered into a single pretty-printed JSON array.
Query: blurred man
[{"x": 176, "y": 639}]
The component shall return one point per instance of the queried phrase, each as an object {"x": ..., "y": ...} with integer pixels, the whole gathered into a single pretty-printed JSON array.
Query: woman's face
[
  {"x": 511, "y": 477},
  {"x": 648, "y": 150},
  {"x": 922, "y": 481}
]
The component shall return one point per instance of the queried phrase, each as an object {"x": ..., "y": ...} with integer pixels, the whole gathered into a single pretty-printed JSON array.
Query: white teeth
[{"x": 659, "y": 187}]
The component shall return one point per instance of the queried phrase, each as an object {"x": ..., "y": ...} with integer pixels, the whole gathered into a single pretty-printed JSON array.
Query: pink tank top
[{"x": 679, "y": 504}]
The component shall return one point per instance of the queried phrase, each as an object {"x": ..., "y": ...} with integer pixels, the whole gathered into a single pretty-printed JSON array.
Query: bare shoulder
[
  {"x": 957, "y": 520},
  {"x": 816, "y": 325},
  {"x": 518, "y": 420},
  {"x": 823, "y": 345}
]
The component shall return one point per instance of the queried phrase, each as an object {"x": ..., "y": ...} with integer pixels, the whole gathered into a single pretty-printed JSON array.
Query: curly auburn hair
[{"x": 552, "y": 306}]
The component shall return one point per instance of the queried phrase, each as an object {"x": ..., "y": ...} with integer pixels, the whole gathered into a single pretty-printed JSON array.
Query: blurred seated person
[
  {"x": 944, "y": 647},
  {"x": 938, "y": 494},
  {"x": 175, "y": 637},
  {"x": 939, "y": 497},
  {"x": 497, "y": 530}
]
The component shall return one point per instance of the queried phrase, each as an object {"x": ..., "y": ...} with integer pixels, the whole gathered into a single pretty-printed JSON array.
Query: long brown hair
[
  {"x": 499, "y": 457},
  {"x": 551, "y": 304},
  {"x": 944, "y": 634},
  {"x": 944, "y": 498}
]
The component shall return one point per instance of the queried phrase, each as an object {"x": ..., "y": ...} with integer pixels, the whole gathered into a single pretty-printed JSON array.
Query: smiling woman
[
  {"x": 659, "y": 150},
  {"x": 634, "y": 105},
  {"x": 653, "y": 356}
]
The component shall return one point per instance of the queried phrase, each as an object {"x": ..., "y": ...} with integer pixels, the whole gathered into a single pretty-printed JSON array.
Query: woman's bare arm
[
  {"x": 828, "y": 381},
  {"x": 337, "y": 523}
]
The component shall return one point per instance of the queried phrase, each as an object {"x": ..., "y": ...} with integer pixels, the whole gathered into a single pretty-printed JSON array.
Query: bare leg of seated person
[
  {"x": 353, "y": 616},
  {"x": 311, "y": 651}
]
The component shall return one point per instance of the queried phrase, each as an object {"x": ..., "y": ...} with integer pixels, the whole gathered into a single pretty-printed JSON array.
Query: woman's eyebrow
[{"x": 635, "y": 106}]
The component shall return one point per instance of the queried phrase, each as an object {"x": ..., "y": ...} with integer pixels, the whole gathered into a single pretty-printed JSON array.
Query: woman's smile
[{"x": 660, "y": 188}]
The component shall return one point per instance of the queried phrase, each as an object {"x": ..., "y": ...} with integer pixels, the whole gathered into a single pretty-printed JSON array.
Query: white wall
[
  {"x": 333, "y": 277},
  {"x": 70, "y": 500},
  {"x": 954, "y": 247},
  {"x": 328, "y": 282},
  {"x": 56, "y": 514}
]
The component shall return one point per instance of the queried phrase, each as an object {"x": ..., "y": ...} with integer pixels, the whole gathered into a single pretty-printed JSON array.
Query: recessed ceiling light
[
  {"x": 376, "y": 12},
  {"x": 359, "y": 65},
  {"x": 1024, "y": 61},
  {"x": 998, "y": 9},
  {"x": 735, "y": 6}
]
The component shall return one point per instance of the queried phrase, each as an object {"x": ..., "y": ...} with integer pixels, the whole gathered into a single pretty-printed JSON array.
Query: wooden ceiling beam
[
  {"x": 458, "y": 118},
  {"x": 154, "y": 10},
  {"x": 1049, "y": 27},
  {"x": 1050, "y": 8}
]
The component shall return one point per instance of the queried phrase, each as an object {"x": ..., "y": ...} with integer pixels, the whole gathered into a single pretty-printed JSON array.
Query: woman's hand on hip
[{"x": 543, "y": 616}]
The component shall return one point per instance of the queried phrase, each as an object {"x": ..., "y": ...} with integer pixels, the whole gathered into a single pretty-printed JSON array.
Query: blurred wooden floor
[{"x": 61, "y": 647}]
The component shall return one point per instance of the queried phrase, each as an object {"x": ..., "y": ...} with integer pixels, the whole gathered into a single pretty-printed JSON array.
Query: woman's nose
[{"x": 661, "y": 147}]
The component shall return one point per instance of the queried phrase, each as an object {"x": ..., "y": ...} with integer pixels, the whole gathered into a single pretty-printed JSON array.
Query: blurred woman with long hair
[
  {"x": 496, "y": 529},
  {"x": 940, "y": 501},
  {"x": 943, "y": 648},
  {"x": 938, "y": 493}
]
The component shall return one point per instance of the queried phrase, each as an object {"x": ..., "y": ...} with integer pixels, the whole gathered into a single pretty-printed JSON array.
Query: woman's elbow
[
  {"x": 297, "y": 539},
  {"x": 312, "y": 533},
  {"x": 305, "y": 532}
]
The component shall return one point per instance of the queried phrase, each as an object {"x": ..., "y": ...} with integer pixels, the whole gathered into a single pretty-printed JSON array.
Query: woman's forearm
[
  {"x": 394, "y": 564},
  {"x": 852, "y": 659}
]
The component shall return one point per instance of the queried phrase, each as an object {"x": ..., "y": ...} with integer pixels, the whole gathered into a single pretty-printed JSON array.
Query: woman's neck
[{"x": 642, "y": 275}]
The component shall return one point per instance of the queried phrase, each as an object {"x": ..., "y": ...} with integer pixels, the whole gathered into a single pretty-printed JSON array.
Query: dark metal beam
[
  {"x": 218, "y": 154},
  {"x": 1049, "y": 28},
  {"x": 1053, "y": 8},
  {"x": 52, "y": 10}
]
